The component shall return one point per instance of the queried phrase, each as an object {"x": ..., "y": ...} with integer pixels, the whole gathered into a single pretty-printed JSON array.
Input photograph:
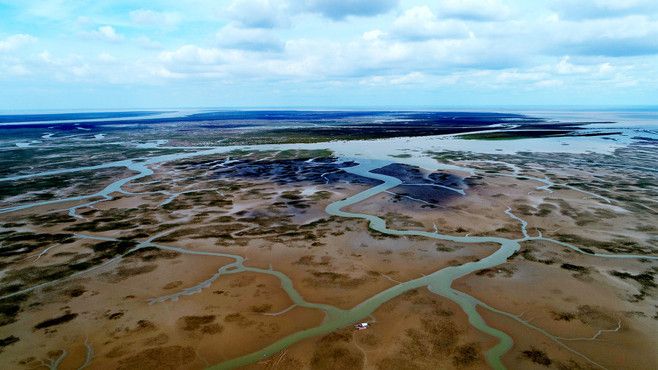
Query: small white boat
[{"x": 361, "y": 326}]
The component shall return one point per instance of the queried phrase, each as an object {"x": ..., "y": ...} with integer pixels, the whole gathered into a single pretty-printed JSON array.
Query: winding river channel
[{"x": 438, "y": 282}]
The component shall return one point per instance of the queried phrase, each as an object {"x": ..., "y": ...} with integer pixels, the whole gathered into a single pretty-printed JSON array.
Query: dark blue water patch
[
  {"x": 233, "y": 119},
  {"x": 645, "y": 138},
  {"x": 278, "y": 115},
  {"x": 7, "y": 118},
  {"x": 466, "y": 119}
]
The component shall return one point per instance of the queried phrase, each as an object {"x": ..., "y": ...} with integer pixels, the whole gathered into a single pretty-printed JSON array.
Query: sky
[{"x": 100, "y": 54}]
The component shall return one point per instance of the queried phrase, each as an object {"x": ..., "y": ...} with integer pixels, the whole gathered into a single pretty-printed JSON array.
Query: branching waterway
[{"x": 439, "y": 282}]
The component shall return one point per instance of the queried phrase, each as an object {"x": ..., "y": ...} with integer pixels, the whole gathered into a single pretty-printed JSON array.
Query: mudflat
[{"x": 150, "y": 248}]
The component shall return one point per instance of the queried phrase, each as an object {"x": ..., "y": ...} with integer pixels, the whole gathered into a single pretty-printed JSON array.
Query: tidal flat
[{"x": 258, "y": 239}]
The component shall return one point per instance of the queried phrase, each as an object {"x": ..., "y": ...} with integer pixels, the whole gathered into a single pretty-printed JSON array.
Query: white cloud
[
  {"x": 621, "y": 36},
  {"x": 548, "y": 83},
  {"x": 374, "y": 35},
  {"x": 512, "y": 76},
  {"x": 46, "y": 57},
  {"x": 409, "y": 78},
  {"x": 420, "y": 23},
  {"x": 107, "y": 33},
  {"x": 494, "y": 44},
  {"x": 192, "y": 54},
  {"x": 163, "y": 72},
  {"x": 14, "y": 42},
  {"x": 564, "y": 66},
  {"x": 259, "y": 13}
]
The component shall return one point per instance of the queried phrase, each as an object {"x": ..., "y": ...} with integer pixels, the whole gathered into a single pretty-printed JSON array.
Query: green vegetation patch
[
  {"x": 56, "y": 321},
  {"x": 646, "y": 280},
  {"x": 537, "y": 356},
  {"x": 7, "y": 341}
]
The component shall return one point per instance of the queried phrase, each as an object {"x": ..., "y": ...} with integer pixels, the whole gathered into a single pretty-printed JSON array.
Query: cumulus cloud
[
  {"x": 411, "y": 78},
  {"x": 192, "y": 58},
  {"x": 420, "y": 23},
  {"x": 374, "y": 35},
  {"x": 566, "y": 67},
  {"x": 193, "y": 54},
  {"x": 487, "y": 44},
  {"x": 259, "y": 13},
  {"x": 614, "y": 37},
  {"x": 107, "y": 33},
  {"x": 14, "y": 42},
  {"x": 73, "y": 67}
]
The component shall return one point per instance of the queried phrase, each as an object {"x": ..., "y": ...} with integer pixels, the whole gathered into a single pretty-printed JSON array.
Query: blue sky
[{"x": 80, "y": 54}]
